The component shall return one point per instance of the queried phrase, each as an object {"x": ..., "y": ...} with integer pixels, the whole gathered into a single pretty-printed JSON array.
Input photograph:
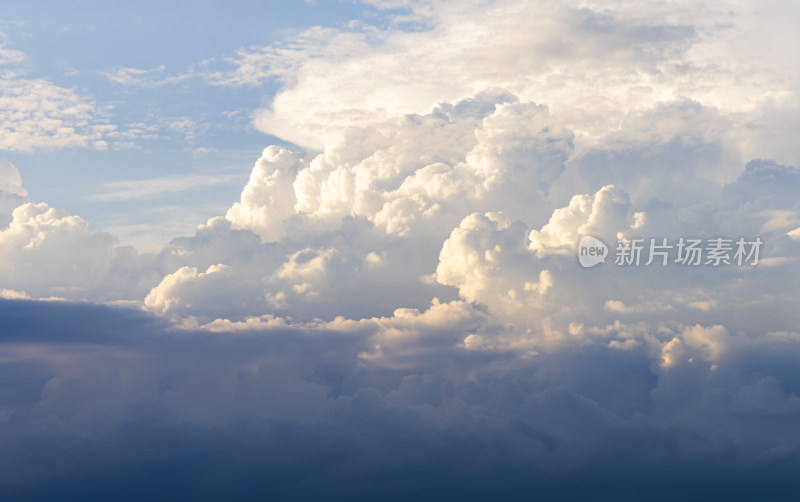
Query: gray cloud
[{"x": 104, "y": 398}]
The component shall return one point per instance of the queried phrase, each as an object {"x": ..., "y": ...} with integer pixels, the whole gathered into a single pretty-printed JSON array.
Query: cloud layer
[{"x": 115, "y": 395}]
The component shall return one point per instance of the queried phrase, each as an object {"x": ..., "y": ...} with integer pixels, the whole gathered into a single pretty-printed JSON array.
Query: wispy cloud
[
  {"x": 36, "y": 114},
  {"x": 139, "y": 77},
  {"x": 156, "y": 187}
]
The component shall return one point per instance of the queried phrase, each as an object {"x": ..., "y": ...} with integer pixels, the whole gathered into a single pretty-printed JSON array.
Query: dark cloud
[{"x": 104, "y": 403}]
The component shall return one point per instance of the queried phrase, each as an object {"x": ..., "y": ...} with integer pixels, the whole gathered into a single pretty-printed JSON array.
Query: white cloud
[
  {"x": 591, "y": 63},
  {"x": 37, "y": 114},
  {"x": 486, "y": 259},
  {"x": 46, "y": 252},
  {"x": 417, "y": 174},
  {"x": 606, "y": 214},
  {"x": 269, "y": 197},
  {"x": 10, "y": 294},
  {"x": 170, "y": 295}
]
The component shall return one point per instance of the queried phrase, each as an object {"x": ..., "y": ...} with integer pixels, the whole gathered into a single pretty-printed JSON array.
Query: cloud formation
[
  {"x": 115, "y": 394},
  {"x": 592, "y": 63},
  {"x": 405, "y": 295},
  {"x": 39, "y": 115}
]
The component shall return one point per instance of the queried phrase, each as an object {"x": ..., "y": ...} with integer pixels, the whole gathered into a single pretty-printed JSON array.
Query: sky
[
  {"x": 350, "y": 250},
  {"x": 185, "y": 145}
]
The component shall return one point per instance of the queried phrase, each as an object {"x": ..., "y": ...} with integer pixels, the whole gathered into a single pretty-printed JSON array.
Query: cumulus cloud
[
  {"x": 269, "y": 197},
  {"x": 459, "y": 202},
  {"x": 488, "y": 263},
  {"x": 605, "y": 214},
  {"x": 48, "y": 253},
  {"x": 167, "y": 296},
  {"x": 373, "y": 210},
  {"x": 416, "y": 174}
]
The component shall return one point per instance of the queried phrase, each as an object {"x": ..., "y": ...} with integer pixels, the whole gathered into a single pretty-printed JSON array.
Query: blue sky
[
  {"x": 332, "y": 250},
  {"x": 74, "y": 45}
]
